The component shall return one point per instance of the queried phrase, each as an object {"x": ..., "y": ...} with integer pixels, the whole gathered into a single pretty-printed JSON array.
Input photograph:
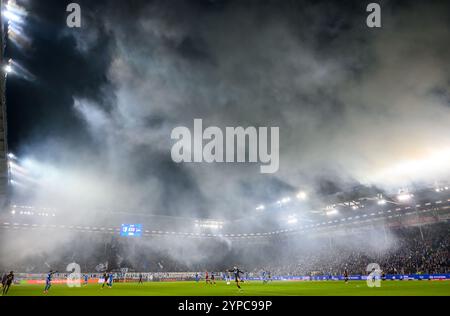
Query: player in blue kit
[
  {"x": 224, "y": 276},
  {"x": 197, "y": 277},
  {"x": 110, "y": 279},
  {"x": 86, "y": 279},
  {"x": 48, "y": 281},
  {"x": 263, "y": 277}
]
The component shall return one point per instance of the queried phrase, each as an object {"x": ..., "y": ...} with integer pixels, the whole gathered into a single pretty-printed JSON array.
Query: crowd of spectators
[
  {"x": 422, "y": 250},
  {"x": 404, "y": 250}
]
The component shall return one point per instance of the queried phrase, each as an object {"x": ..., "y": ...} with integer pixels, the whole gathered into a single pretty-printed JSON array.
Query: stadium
[
  {"x": 93, "y": 203},
  {"x": 409, "y": 240}
]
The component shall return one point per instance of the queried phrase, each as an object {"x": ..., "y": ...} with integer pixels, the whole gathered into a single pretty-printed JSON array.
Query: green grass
[{"x": 255, "y": 288}]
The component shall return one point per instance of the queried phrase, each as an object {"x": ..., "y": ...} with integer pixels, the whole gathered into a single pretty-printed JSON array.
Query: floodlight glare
[
  {"x": 12, "y": 16},
  {"x": 302, "y": 195},
  {"x": 286, "y": 200},
  {"x": 404, "y": 197},
  {"x": 332, "y": 212},
  {"x": 292, "y": 220},
  {"x": 8, "y": 69},
  {"x": 14, "y": 29}
]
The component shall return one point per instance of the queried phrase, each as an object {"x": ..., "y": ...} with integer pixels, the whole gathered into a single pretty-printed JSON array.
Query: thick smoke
[{"x": 354, "y": 105}]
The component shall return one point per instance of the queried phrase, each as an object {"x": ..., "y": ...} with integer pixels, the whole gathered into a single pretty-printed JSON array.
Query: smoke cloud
[{"x": 354, "y": 105}]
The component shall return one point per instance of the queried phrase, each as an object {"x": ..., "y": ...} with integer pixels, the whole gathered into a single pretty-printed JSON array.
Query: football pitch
[{"x": 254, "y": 288}]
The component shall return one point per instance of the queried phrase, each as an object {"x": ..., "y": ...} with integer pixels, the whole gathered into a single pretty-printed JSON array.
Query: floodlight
[
  {"x": 286, "y": 200},
  {"x": 404, "y": 197},
  {"x": 292, "y": 220},
  {"x": 302, "y": 195},
  {"x": 261, "y": 208},
  {"x": 8, "y": 69},
  {"x": 332, "y": 212},
  {"x": 11, "y": 16}
]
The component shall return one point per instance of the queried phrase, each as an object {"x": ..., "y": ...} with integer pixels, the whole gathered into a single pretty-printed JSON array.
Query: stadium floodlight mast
[
  {"x": 12, "y": 17},
  {"x": 14, "y": 13},
  {"x": 15, "y": 166},
  {"x": 8, "y": 68},
  {"x": 14, "y": 28}
]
